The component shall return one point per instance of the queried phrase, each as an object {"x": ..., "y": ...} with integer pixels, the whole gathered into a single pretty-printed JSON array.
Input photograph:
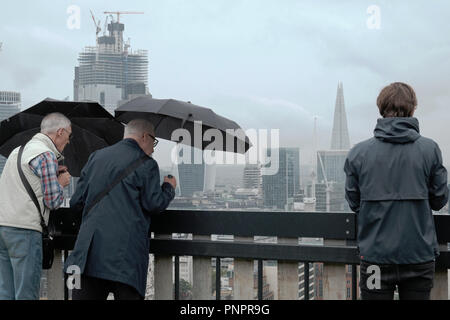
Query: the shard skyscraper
[
  {"x": 329, "y": 190},
  {"x": 339, "y": 138}
]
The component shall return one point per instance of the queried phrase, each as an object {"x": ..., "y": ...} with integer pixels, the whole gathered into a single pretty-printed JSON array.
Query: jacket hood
[{"x": 397, "y": 130}]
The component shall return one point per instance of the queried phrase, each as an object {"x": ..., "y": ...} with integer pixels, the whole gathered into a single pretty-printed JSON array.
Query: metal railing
[{"x": 339, "y": 249}]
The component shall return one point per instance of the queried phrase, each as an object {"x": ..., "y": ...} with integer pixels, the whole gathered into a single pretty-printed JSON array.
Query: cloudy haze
[{"x": 263, "y": 63}]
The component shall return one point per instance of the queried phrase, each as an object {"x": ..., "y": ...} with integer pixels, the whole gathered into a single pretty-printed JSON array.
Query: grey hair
[
  {"x": 54, "y": 121},
  {"x": 138, "y": 127}
]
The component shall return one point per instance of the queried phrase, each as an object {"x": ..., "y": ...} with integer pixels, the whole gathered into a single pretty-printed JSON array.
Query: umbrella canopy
[
  {"x": 169, "y": 115},
  {"x": 93, "y": 128}
]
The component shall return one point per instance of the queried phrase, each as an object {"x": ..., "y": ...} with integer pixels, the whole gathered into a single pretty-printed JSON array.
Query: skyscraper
[
  {"x": 330, "y": 166},
  {"x": 330, "y": 192},
  {"x": 332, "y": 161},
  {"x": 252, "y": 176},
  {"x": 330, "y": 197},
  {"x": 339, "y": 138},
  {"x": 279, "y": 189},
  {"x": 9, "y": 106},
  {"x": 191, "y": 175},
  {"x": 210, "y": 178},
  {"x": 110, "y": 72}
]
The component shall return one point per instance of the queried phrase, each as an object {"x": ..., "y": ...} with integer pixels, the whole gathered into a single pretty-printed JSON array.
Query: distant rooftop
[{"x": 9, "y": 97}]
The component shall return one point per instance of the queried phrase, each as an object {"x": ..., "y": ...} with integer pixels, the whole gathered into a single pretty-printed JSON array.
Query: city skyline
[
  {"x": 262, "y": 64},
  {"x": 268, "y": 66}
]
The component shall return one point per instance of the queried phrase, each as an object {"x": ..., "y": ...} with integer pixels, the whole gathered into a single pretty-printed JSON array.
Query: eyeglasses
[
  {"x": 155, "y": 141},
  {"x": 70, "y": 133}
]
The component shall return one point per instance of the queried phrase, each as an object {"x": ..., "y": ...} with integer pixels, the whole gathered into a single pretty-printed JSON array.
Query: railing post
[
  {"x": 163, "y": 274},
  {"x": 260, "y": 282},
  {"x": 177, "y": 278},
  {"x": 355, "y": 282},
  {"x": 288, "y": 277},
  {"x": 202, "y": 273},
  {"x": 55, "y": 279},
  {"x": 440, "y": 287},
  {"x": 306, "y": 281},
  {"x": 333, "y": 278},
  {"x": 218, "y": 279},
  {"x": 65, "y": 277},
  {"x": 243, "y": 276}
]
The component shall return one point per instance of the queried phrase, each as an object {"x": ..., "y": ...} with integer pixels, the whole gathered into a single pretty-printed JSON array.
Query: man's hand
[
  {"x": 62, "y": 169},
  {"x": 64, "y": 179},
  {"x": 170, "y": 179}
]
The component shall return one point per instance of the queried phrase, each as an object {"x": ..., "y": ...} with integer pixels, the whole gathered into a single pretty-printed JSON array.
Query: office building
[
  {"x": 252, "y": 176},
  {"x": 279, "y": 189},
  {"x": 9, "y": 106},
  {"x": 210, "y": 178},
  {"x": 330, "y": 166},
  {"x": 191, "y": 175}
]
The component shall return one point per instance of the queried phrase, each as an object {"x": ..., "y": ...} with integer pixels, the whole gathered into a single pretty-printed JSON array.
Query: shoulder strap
[
  {"x": 134, "y": 165},
  {"x": 29, "y": 189}
]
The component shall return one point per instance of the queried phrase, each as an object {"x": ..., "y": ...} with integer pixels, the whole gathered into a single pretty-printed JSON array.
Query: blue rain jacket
[{"x": 113, "y": 242}]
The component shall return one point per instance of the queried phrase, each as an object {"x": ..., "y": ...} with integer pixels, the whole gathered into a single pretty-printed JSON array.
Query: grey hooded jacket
[{"x": 393, "y": 181}]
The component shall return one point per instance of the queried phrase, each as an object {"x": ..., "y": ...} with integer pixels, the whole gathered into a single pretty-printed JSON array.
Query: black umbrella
[
  {"x": 168, "y": 115},
  {"x": 93, "y": 128}
]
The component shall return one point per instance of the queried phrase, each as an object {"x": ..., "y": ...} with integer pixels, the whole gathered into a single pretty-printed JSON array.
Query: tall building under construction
[{"x": 110, "y": 72}]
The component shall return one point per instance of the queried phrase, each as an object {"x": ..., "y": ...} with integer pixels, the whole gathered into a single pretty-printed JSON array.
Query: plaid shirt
[{"x": 45, "y": 166}]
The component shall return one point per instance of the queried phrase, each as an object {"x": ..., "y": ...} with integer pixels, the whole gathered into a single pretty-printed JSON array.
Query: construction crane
[
  {"x": 312, "y": 199},
  {"x": 122, "y": 12},
  {"x": 106, "y": 24},
  {"x": 97, "y": 25}
]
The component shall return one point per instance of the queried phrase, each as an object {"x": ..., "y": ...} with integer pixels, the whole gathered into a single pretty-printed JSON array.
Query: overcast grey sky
[{"x": 263, "y": 63}]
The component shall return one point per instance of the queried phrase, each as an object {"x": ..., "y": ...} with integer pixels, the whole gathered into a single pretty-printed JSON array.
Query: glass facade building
[
  {"x": 191, "y": 175},
  {"x": 279, "y": 189},
  {"x": 330, "y": 166}
]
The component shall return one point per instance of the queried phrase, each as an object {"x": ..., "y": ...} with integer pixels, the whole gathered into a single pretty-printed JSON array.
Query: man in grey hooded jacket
[{"x": 394, "y": 181}]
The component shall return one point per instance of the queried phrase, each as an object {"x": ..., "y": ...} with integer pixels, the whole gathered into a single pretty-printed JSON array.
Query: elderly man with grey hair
[
  {"x": 20, "y": 220},
  {"x": 118, "y": 189}
]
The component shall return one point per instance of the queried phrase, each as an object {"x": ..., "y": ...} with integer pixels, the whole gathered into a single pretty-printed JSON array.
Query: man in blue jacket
[
  {"x": 394, "y": 181},
  {"x": 112, "y": 248}
]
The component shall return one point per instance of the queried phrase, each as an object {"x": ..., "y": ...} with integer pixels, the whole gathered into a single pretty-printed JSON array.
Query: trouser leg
[
  {"x": 7, "y": 291},
  {"x": 25, "y": 252},
  {"x": 377, "y": 282},
  {"x": 91, "y": 289},
  {"x": 414, "y": 295},
  {"x": 377, "y": 294},
  {"x": 416, "y": 281},
  {"x": 125, "y": 292}
]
